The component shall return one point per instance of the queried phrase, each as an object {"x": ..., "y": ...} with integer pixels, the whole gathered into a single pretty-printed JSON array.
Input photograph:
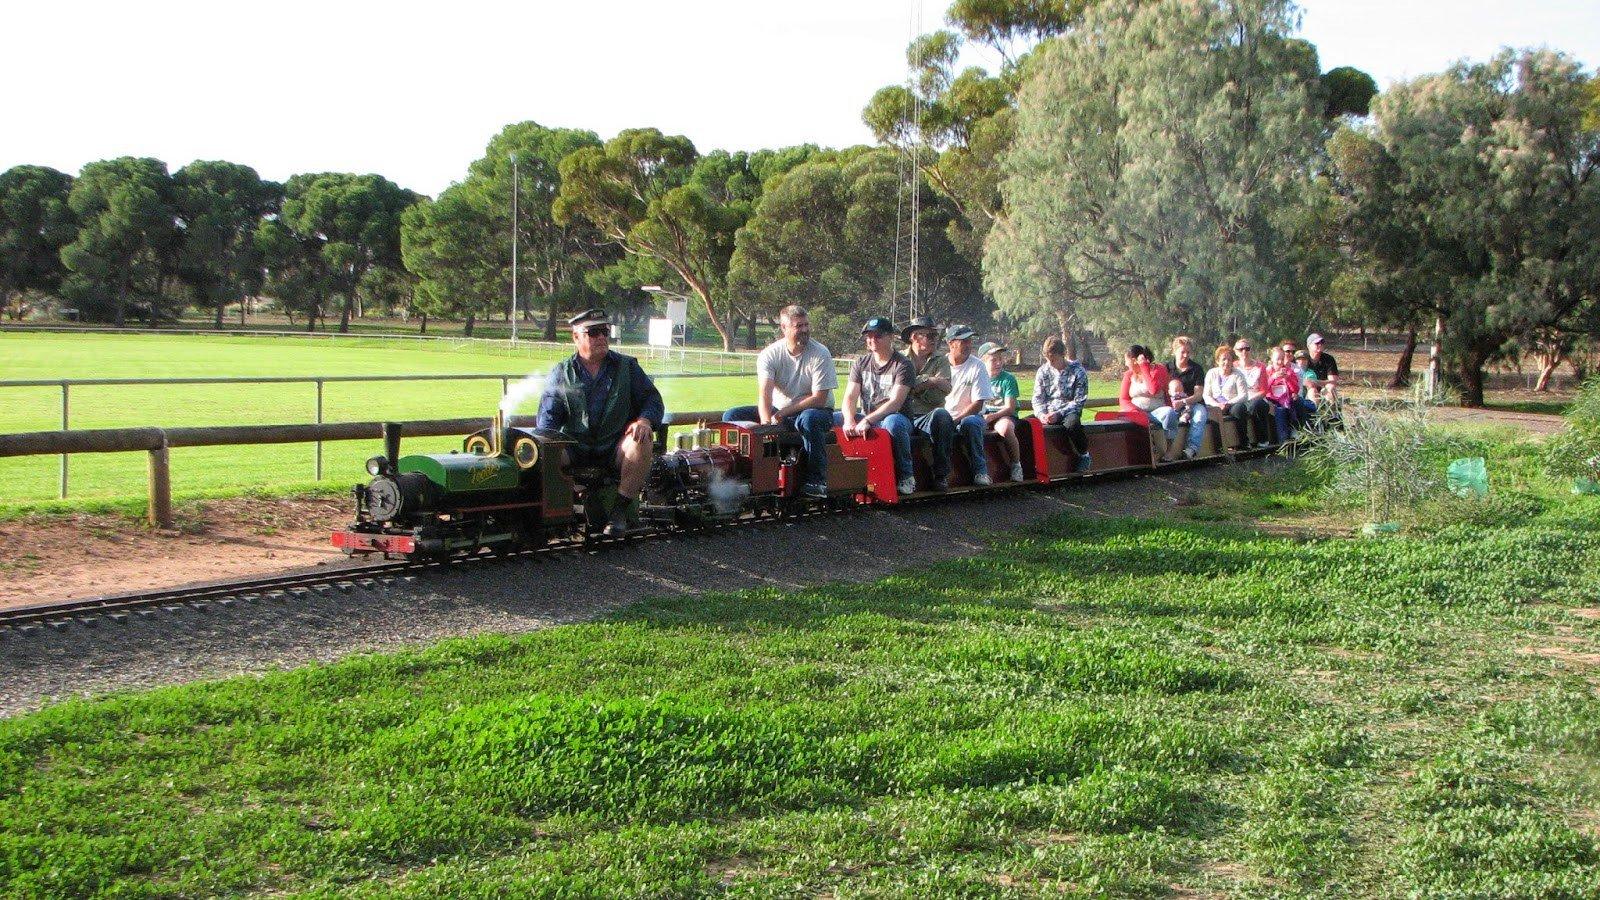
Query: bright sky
[{"x": 414, "y": 90}]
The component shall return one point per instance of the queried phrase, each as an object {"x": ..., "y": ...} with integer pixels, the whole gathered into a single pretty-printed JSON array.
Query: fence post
[
  {"x": 319, "y": 422},
  {"x": 160, "y": 511},
  {"x": 505, "y": 386},
  {"x": 66, "y": 407}
]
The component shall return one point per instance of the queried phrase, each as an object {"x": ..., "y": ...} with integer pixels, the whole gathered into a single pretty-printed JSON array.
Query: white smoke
[
  {"x": 517, "y": 394},
  {"x": 727, "y": 494}
]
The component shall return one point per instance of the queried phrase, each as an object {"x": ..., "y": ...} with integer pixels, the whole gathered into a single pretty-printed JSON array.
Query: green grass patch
[{"x": 1116, "y": 706}]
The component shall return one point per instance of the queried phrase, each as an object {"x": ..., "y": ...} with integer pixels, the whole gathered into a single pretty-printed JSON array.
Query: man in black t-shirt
[
  {"x": 1325, "y": 368},
  {"x": 1185, "y": 394}
]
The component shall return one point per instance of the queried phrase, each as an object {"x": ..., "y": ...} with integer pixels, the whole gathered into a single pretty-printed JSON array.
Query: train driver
[
  {"x": 880, "y": 381},
  {"x": 605, "y": 403},
  {"x": 795, "y": 381}
]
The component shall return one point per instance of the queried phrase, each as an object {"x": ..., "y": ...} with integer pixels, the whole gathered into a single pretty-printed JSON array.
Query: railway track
[{"x": 20, "y": 621}]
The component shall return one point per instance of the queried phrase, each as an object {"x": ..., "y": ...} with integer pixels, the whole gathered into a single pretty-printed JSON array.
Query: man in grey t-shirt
[{"x": 795, "y": 381}]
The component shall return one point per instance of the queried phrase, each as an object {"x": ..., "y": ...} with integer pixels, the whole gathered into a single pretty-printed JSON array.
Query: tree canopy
[
  {"x": 35, "y": 223},
  {"x": 126, "y": 241},
  {"x": 1161, "y": 159},
  {"x": 1477, "y": 193}
]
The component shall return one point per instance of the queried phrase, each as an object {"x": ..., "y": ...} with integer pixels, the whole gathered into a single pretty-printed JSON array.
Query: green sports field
[{"x": 31, "y": 482}]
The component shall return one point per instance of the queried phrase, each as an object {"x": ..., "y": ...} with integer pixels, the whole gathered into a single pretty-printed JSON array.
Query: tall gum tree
[
  {"x": 351, "y": 221},
  {"x": 126, "y": 240},
  {"x": 1477, "y": 194},
  {"x": 637, "y": 191},
  {"x": 220, "y": 205},
  {"x": 1162, "y": 154}
]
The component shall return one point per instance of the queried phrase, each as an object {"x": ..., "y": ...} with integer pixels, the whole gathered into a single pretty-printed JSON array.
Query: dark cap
[
  {"x": 588, "y": 318},
  {"x": 917, "y": 324},
  {"x": 878, "y": 324},
  {"x": 958, "y": 333}
]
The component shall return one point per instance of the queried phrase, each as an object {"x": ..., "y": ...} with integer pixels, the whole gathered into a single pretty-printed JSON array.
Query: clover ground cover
[{"x": 1124, "y": 706}]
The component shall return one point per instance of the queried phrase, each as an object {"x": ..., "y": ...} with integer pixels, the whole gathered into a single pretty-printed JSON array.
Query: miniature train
[{"x": 509, "y": 488}]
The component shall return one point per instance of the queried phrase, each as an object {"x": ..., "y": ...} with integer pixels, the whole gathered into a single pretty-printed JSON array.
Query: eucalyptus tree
[
  {"x": 1476, "y": 190},
  {"x": 1161, "y": 164},
  {"x": 35, "y": 223},
  {"x": 459, "y": 250},
  {"x": 638, "y": 191},
  {"x": 351, "y": 222},
  {"x": 553, "y": 257},
  {"x": 220, "y": 205},
  {"x": 125, "y": 249},
  {"x": 823, "y": 236}
]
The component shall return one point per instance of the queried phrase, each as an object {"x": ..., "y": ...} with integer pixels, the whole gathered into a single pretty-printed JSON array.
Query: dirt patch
[
  {"x": 55, "y": 558},
  {"x": 1565, "y": 647},
  {"x": 1588, "y": 612}
]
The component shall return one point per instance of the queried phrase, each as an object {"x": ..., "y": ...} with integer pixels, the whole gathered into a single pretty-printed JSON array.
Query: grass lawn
[
  {"x": 29, "y": 483},
  {"x": 1132, "y": 707}
]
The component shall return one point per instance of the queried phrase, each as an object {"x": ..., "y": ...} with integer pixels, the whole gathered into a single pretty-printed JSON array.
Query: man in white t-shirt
[
  {"x": 795, "y": 380},
  {"x": 969, "y": 387}
]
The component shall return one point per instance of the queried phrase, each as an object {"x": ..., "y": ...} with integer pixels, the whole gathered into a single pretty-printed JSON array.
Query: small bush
[
  {"x": 1575, "y": 452},
  {"x": 1379, "y": 457}
]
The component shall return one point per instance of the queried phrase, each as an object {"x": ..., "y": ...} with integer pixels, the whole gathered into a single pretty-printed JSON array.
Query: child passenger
[{"x": 1000, "y": 413}]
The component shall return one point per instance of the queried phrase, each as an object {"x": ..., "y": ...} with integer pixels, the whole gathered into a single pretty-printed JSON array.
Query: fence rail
[
  {"x": 320, "y": 381},
  {"x": 157, "y": 442}
]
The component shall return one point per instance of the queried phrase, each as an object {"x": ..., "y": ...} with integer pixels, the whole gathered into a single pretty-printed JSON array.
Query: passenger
[
  {"x": 969, "y": 388},
  {"x": 880, "y": 381},
  {"x": 1226, "y": 393},
  {"x": 1000, "y": 413},
  {"x": 1185, "y": 394},
  {"x": 1060, "y": 388},
  {"x": 1144, "y": 389},
  {"x": 605, "y": 403},
  {"x": 1282, "y": 390},
  {"x": 1326, "y": 368},
  {"x": 925, "y": 406},
  {"x": 1257, "y": 405},
  {"x": 1303, "y": 372},
  {"x": 795, "y": 381}
]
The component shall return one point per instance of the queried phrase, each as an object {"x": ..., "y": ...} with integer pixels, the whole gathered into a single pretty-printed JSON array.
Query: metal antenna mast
[{"x": 903, "y": 285}]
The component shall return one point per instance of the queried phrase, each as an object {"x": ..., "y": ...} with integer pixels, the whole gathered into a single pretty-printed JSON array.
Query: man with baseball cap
[
  {"x": 880, "y": 380},
  {"x": 606, "y": 404},
  {"x": 1324, "y": 367},
  {"x": 969, "y": 389}
]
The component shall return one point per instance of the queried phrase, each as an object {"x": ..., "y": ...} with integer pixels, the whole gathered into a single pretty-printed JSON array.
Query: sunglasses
[
  {"x": 598, "y": 331},
  {"x": 1242, "y": 347}
]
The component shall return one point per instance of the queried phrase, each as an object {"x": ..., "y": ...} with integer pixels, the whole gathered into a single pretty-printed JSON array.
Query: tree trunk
[
  {"x": 1402, "y": 369},
  {"x": 423, "y": 326},
  {"x": 1471, "y": 370},
  {"x": 344, "y": 314},
  {"x": 1548, "y": 362},
  {"x": 550, "y": 321},
  {"x": 221, "y": 307},
  {"x": 119, "y": 313},
  {"x": 1088, "y": 360},
  {"x": 466, "y": 330},
  {"x": 750, "y": 333}
]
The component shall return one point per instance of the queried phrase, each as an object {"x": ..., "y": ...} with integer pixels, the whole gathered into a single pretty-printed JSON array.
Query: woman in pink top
[
  {"x": 1144, "y": 388},
  {"x": 1256, "y": 403}
]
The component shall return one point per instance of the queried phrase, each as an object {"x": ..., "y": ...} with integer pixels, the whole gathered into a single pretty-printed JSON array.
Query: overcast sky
[{"x": 414, "y": 90}]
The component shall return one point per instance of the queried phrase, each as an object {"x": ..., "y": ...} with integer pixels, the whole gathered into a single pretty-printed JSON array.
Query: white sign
[
  {"x": 661, "y": 332},
  {"x": 678, "y": 310}
]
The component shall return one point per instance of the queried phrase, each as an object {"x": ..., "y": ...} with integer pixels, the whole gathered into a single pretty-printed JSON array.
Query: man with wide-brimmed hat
[
  {"x": 969, "y": 389},
  {"x": 925, "y": 406},
  {"x": 606, "y": 404},
  {"x": 880, "y": 380}
]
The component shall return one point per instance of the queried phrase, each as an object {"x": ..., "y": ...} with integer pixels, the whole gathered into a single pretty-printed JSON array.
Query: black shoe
[
  {"x": 815, "y": 489},
  {"x": 942, "y": 484}
]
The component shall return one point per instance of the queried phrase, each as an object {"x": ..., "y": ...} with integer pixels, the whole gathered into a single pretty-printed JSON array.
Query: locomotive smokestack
[{"x": 391, "y": 443}]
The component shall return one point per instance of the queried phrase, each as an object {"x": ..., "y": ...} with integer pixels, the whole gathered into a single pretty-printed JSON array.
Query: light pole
[{"x": 514, "y": 242}]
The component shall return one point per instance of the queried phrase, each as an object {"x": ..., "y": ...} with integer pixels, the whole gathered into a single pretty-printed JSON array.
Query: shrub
[
  {"x": 1379, "y": 457},
  {"x": 1575, "y": 452}
]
